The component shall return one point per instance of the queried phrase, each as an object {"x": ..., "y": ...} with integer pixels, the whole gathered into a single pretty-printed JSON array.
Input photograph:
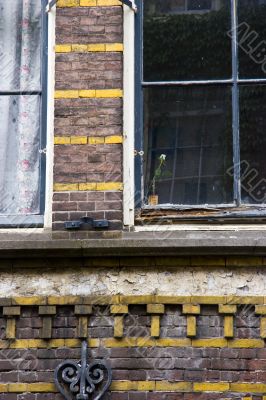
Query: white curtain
[{"x": 20, "y": 70}]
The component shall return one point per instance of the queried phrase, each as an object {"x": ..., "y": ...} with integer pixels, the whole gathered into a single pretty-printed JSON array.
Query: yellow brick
[
  {"x": 109, "y": 186},
  {"x": 228, "y": 326},
  {"x": 79, "y": 48},
  {"x": 78, "y": 140},
  {"x": 11, "y": 328},
  {"x": 88, "y": 3},
  {"x": 244, "y": 299},
  {"x": 3, "y": 387},
  {"x": 65, "y": 187},
  {"x": 155, "y": 308},
  {"x": 113, "y": 139},
  {"x": 191, "y": 326},
  {"x": 28, "y": 344},
  {"x": 96, "y": 140},
  {"x": 126, "y": 342},
  {"x": 87, "y": 93},
  {"x": 208, "y": 299},
  {"x": 246, "y": 398},
  {"x": 63, "y": 48},
  {"x": 123, "y": 386},
  {"x": 165, "y": 386},
  {"x": 227, "y": 309},
  {"x": 87, "y": 186},
  {"x": 211, "y": 387},
  {"x": 260, "y": 310},
  {"x": 17, "y": 387},
  {"x": 246, "y": 343},
  {"x": 41, "y": 387},
  {"x": 64, "y": 300},
  {"x": 217, "y": 342},
  {"x": 72, "y": 343},
  {"x": 144, "y": 386},
  {"x": 145, "y": 299},
  {"x": 66, "y": 94},
  {"x": 155, "y": 326},
  {"x": 114, "y": 47},
  {"x": 96, "y": 47},
  {"x": 172, "y": 342},
  {"x": 118, "y": 326},
  {"x": 67, "y": 3},
  {"x": 191, "y": 309},
  {"x": 108, "y": 3},
  {"x": 61, "y": 140},
  {"x": 172, "y": 299},
  {"x": 248, "y": 387},
  {"x": 29, "y": 301},
  {"x": 101, "y": 300},
  {"x": 263, "y": 327},
  {"x": 109, "y": 93},
  {"x": 119, "y": 309}
]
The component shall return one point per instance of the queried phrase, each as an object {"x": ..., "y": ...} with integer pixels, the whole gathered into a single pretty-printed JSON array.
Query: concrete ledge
[{"x": 117, "y": 244}]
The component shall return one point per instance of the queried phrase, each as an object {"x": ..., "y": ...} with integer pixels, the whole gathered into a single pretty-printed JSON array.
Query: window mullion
[{"x": 235, "y": 104}]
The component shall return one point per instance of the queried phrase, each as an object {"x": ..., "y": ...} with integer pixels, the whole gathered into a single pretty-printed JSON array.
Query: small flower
[{"x": 162, "y": 157}]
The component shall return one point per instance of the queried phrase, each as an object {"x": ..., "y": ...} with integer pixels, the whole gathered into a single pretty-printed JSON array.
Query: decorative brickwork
[{"x": 169, "y": 365}]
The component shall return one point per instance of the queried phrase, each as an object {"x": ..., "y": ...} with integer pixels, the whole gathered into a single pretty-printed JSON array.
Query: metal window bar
[{"x": 235, "y": 82}]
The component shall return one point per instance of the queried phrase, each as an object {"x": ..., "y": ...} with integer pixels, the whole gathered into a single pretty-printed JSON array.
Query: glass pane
[
  {"x": 253, "y": 143},
  {"x": 187, "y": 40},
  {"x": 188, "y": 145},
  {"x": 20, "y": 44},
  {"x": 19, "y": 154},
  {"x": 252, "y": 38}
]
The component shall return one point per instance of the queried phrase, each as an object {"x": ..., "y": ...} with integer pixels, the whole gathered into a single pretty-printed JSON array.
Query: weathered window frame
[{"x": 213, "y": 213}]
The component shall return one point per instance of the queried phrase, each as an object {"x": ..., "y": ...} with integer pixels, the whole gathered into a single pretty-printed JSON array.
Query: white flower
[{"x": 162, "y": 157}]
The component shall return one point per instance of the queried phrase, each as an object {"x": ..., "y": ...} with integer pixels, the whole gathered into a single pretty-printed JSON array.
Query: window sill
[{"x": 19, "y": 221}]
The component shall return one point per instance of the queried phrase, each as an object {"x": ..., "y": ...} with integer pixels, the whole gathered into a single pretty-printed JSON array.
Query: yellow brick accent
[
  {"x": 66, "y": 94},
  {"x": 118, "y": 326},
  {"x": 62, "y": 140},
  {"x": 155, "y": 308},
  {"x": 3, "y": 387},
  {"x": 68, "y": 3},
  {"x": 119, "y": 309},
  {"x": 211, "y": 387},
  {"x": 96, "y": 47},
  {"x": 29, "y": 301},
  {"x": 245, "y": 300},
  {"x": 64, "y": 300},
  {"x": 155, "y": 326},
  {"x": 41, "y": 387},
  {"x": 260, "y": 310},
  {"x": 114, "y": 47},
  {"x": 108, "y": 3},
  {"x": 228, "y": 326},
  {"x": 78, "y": 140},
  {"x": 165, "y": 386},
  {"x": 87, "y": 186},
  {"x": 113, "y": 343},
  {"x": 18, "y": 387},
  {"x": 191, "y": 309},
  {"x": 88, "y": 3},
  {"x": 246, "y": 343},
  {"x": 11, "y": 328},
  {"x": 227, "y": 309},
  {"x": 113, "y": 139},
  {"x": 132, "y": 385},
  {"x": 208, "y": 299},
  {"x": 216, "y": 342},
  {"x": 65, "y": 187},
  {"x": 172, "y": 299},
  {"x": 248, "y": 387},
  {"x": 87, "y": 93},
  {"x": 109, "y": 186},
  {"x": 79, "y": 47},
  {"x": 191, "y": 326},
  {"x": 142, "y": 299},
  {"x": 106, "y": 93},
  {"x": 96, "y": 140},
  {"x": 63, "y": 48},
  {"x": 263, "y": 327},
  {"x": 169, "y": 342}
]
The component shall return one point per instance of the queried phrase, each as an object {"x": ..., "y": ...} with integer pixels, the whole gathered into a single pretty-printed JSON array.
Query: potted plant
[{"x": 153, "y": 198}]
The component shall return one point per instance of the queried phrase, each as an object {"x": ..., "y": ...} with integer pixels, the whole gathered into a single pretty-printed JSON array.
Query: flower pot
[{"x": 153, "y": 200}]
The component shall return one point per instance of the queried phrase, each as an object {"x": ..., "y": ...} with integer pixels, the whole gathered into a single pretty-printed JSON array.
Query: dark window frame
[
  {"x": 26, "y": 221},
  {"x": 254, "y": 212}
]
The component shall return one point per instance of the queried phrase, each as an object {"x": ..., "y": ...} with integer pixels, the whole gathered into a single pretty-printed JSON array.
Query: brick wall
[
  {"x": 149, "y": 361},
  {"x": 88, "y": 112}
]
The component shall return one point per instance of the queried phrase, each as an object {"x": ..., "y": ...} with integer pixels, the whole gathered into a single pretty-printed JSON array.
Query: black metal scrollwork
[{"x": 82, "y": 381}]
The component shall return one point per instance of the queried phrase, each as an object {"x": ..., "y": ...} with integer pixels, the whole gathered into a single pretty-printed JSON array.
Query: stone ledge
[{"x": 121, "y": 244}]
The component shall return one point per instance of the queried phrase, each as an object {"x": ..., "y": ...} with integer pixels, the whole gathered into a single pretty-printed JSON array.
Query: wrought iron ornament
[{"x": 83, "y": 381}]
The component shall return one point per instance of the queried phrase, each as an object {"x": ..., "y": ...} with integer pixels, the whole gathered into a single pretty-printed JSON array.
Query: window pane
[
  {"x": 20, "y": 44},
  {"x": 253, "y": 143},
  {"x": 187, "y": 40},
  {"x": 192, "y": 128},
  {"x": 252, "y": 38},
  {"x": 19, "y": 154}
]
